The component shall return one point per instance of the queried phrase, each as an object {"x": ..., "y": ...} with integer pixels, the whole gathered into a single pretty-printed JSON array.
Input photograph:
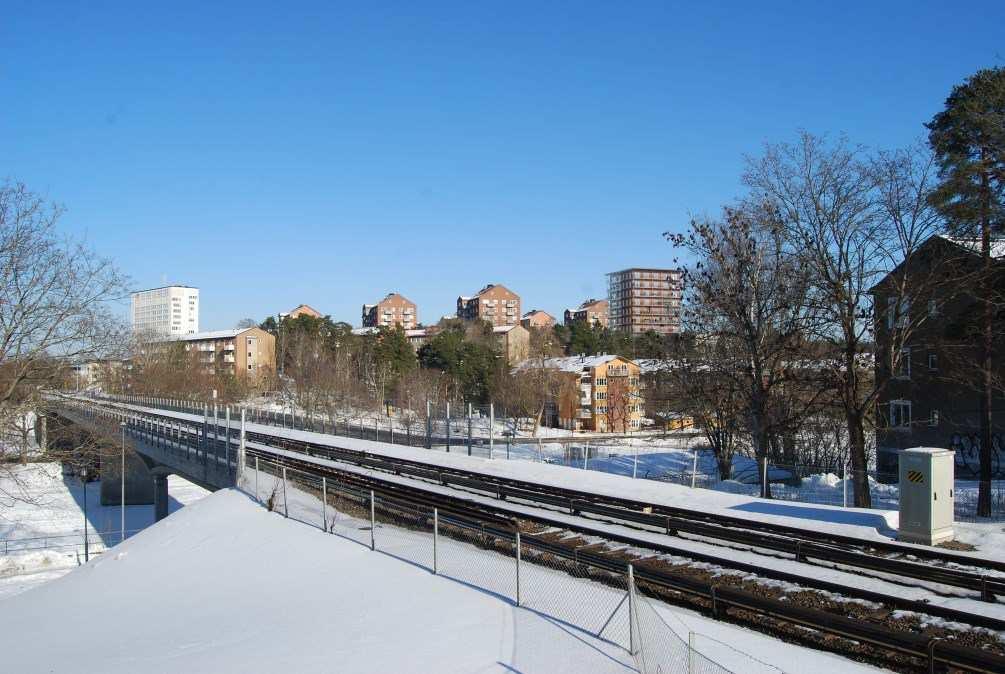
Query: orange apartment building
[
  {"x": 599, "y": 393},
  {"x": 249, "y": 353},
  {"x": 645, "y": 299},
  {"x": 302, "y": 310},
  {"x": 494, "y": 303},
  {"x": 393, "y": 310},
  {"x": 537, "y": 319},
  {"x": 592, "y": 312}
]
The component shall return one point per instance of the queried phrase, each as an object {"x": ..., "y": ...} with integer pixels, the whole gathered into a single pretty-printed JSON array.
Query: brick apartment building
[
  {"x": 393, "y": 310},
  {"x": 537, "y": 319},
  {"x": 513, "y": 342},
  {"x": 598, "y": 393},
  {"x": 494, "y": 303},
  {"x": 592, "y": 312},
  {"x": 645, "y": 299},
  {"x": 927, "y": 395},
  {"x": 247, "y": 354},
  {"x": 301, "y": 310}
]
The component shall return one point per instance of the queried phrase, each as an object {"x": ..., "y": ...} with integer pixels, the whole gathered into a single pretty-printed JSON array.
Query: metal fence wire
[{"x": 525, "y": 568}]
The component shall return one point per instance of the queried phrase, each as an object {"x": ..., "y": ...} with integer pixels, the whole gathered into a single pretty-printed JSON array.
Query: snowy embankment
[
  {"x": 42, "y": 522},
  {"x": 861, "y": 523},
  {"x": 224, "y": 585}
]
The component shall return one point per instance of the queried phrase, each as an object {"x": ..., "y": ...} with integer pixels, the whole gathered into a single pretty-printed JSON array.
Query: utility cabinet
[{"x": 926, "y": 495}]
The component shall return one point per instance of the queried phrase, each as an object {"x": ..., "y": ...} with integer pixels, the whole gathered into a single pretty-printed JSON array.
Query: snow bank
[{"x": 224, "y": 585}]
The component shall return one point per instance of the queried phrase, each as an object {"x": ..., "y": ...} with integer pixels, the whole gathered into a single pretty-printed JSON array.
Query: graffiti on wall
[{"x": 968, "y": 454}]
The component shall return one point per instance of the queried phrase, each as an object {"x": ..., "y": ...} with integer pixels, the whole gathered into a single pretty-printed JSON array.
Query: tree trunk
[
  {"x": 760, "y": 439},
  {"x": 987, "y": 344},
  {"x": 859, "y": 466}
]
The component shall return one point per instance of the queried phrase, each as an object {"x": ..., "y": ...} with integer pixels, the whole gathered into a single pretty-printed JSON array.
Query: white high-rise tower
[{"x": 171, "y": 311}]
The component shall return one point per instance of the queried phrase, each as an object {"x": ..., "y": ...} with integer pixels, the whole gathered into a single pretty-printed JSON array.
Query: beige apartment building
[
  {"x": 645, "y": 299},
  {"x": 513, "y": 341},
  {"x": 537, "y": 319},
  {"x": 597, "y": 393},
  {"x": 494, "y": 303},
  {"x": 393, "y": 310},
  {"x": 247, "y": 354},
  {"x": 593, "y": 312}
]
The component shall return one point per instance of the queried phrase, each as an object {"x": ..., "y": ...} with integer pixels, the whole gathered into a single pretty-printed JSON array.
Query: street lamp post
[{"x": 122, "y": 484}]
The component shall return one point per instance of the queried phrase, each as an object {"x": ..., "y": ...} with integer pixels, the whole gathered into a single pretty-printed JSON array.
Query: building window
[
  {"x": 933, "y": 420},
  {"x": 902, "y": 368},
  {"x": 933, "y": 308},
  {"x": 933, "y": 361},
  {"x": 896, "y": 316},
  {"x": 601, "y": 395},
  {"x": 900, "y": 414}
]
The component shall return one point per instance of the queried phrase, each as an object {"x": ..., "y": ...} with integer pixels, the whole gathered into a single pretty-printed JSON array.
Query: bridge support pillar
[{"x": 160, "y": 497}]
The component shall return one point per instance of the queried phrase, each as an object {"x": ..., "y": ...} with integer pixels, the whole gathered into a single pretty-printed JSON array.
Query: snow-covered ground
[
  {"x": 223, "y": 585},
  {"x": 42, "y": 530}
]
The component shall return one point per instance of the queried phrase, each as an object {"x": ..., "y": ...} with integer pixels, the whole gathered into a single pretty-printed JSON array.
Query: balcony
[
  {"x": 584, "y": 414},
  {"x": 229, "y": 346},
  {"x": 207, "y": 347},
  {"x": 229, "y": 358}
]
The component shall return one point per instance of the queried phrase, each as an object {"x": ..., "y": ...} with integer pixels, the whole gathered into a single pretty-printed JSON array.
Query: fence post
[
  {"x": 690, "y": 652},
  {"x": 286, "y": 500},
  {"x": 448, "y": 427},
  {"x": 517, "y": 568},
  {"x": 492, "y": 429},
  {"x": 694, "y": 467},
  {"x": 469, "y": 429},
  {"x": 429, "y": 426},
  {"x": 631, "y": 610},
  {"x": 256, "y": 478},
  {"x": 436, "y": 538},
  {"x": 227, "y": 456},
  {"x": 324, "y": 503},
  {"x": 844, "y": 484},
  {"x": 242, "y": 457},
  {"x": 373, "y": 521}
]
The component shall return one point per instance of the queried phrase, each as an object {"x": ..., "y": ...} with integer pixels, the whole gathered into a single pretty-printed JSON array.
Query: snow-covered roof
[
  {"x": 364, "y": 331},
  {"x": 503, "y": 328},
  {"x": 973, "y": 244},
  {"x": 214, "y": 334},
  {"x": 570, "y": 363}
]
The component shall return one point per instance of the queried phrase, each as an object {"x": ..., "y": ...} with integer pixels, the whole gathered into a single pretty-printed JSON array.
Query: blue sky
[{"x": 329, "y": 153}]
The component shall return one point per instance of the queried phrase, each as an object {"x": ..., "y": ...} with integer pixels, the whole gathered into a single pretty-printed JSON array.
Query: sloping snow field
[{"x": 224, "y": 585}]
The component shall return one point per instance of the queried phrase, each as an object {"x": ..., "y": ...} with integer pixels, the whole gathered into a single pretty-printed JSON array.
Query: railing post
[
  {"x": 436, "y": 538},
  {"x": 324, "y": 503},
  {"x": 518, "y": 568},
  {"x": 242, "y": 448},
  {"x": 286, "y": 500},
  {"x": 227, "y": 455},
  {"x": 429, "y": 426},
  {"x": 631, "y": 610},
  {"x": 256, "y": 478},
  {"x": 844, "y": 484},
  {"x": 694, "y": 467},
  {"x": 492, "y": 428},
  {"x": 469, "y": 429},
  {"x": 373, "y": 521},
  {"x": 690, "y": 652}
]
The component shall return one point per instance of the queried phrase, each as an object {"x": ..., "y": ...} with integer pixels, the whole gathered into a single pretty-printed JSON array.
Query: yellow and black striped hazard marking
[{"x": 915, "y": 476}]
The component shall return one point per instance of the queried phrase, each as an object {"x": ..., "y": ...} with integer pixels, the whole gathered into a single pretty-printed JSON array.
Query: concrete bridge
[{"x": 202, "y": 448}]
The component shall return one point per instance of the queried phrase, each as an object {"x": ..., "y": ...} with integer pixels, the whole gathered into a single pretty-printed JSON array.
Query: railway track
[{"x": 500, "y": 516}]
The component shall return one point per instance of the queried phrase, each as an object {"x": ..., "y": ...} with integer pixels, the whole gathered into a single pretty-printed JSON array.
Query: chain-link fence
[{"x": 532, "y": 570}]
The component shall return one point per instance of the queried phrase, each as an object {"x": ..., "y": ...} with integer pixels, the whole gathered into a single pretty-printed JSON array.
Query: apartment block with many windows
[
  {"x": 494, "y": 303},
  {"x": 170, "y": 311},
  {"x": 645, "y": 299},
  {"x": 592, "y": 312},
  {"x": 393, "y": 310},
  {"x": 596, "y": 393},
  {"x": 247, "y": 354}
]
